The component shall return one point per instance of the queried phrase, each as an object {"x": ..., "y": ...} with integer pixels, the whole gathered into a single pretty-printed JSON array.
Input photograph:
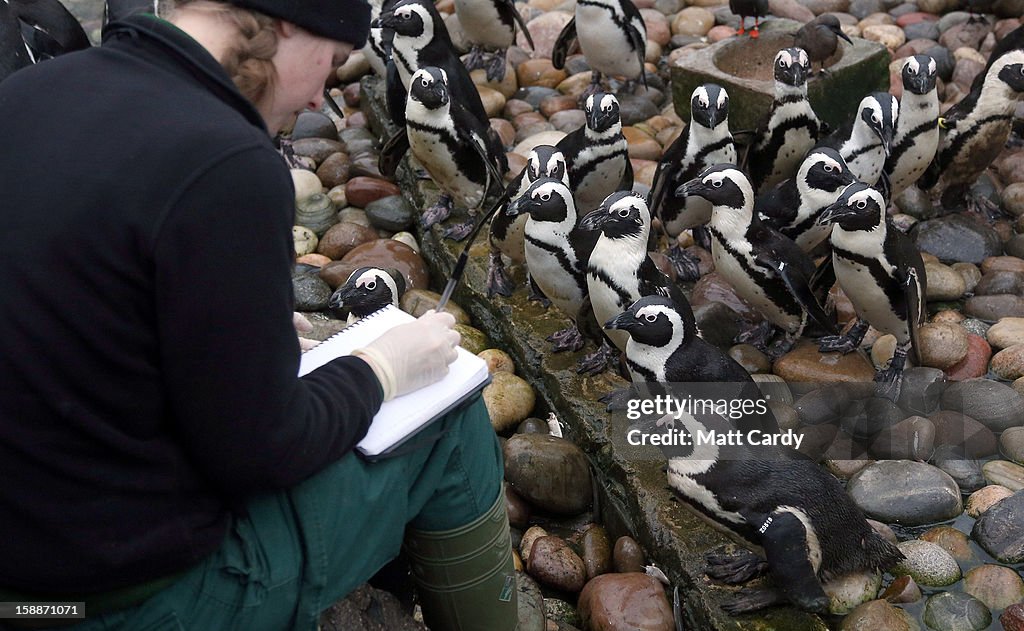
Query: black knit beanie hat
[{"x": 341, "y": 20}]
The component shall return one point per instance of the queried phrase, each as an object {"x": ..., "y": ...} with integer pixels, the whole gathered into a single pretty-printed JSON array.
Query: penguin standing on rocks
[
  {"x": 451, "y": 144},
  {"x": 597, "y": 154},
  {"x": 882, "y": 274},
  {"x": 756, "y": 9},
  {"x": 765, "y": 268},
  {"x": 612, "y": 36},
  {"x": 557, "y": 251},
  {"x": 490, "y": 25},
  {"x": 36, "y": 30},
  {"x": 792, "y": 127},
  {"x": 820, "y": 38},
  {"x": 378, "y": 43},
  {"x": 975, "y": 130},
  {"x": 368, "y": 289},
  {"x": 506, "y": 234},
  {"x": 705, "y": 142},
  {"x": 793, "y": 207},
  {"x": 864, "y": 142},
  {"x": 917, "y": 127}
]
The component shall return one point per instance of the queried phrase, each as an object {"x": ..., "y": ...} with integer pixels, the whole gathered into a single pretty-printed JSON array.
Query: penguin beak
[
  {"x": 886, "y": 136},
  {"x": 600, "y": 120},
  {"x": 693, "y": 187},
  {"x": 921, "y": 83},
  {"x": 341, "y": 296},
  {"x": 624, "y": 321},
  {"x": 715, "y": 116},
  {"x": 795, "y": 74},
  {"x": 387, "y": 20},
  {"x": 834, "y": 213},
  {"x": 596, "y": 219},
  {"x": 519, "y": 206}
]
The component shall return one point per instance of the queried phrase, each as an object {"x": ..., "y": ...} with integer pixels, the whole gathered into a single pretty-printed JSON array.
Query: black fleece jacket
[{"x": 147, "y": 357}]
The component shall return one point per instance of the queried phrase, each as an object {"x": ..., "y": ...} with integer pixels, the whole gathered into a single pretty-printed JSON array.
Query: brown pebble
[
  {"x": 597, "y": 554},
  {"x": 360, "y": 191},
  {"x": 627, "y": 556},
  {"x": 517, "y": 508}
]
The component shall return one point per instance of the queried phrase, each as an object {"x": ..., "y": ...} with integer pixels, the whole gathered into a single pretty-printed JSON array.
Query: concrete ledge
[{"x": 633, "y": 494}]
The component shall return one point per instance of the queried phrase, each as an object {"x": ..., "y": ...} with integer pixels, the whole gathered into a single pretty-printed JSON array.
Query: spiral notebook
[{"x": 403, "y": 417}]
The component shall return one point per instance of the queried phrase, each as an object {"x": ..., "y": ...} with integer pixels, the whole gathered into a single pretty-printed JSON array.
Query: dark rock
[
  {"x": 319, "y": 149},
  {"x": 966, "y": 472},
  {"x": 1013, "y": 618},
  {"x": 335, "y": 170},
  {"x": 576, "y": 64},
  {"x": 905, "y": 492},
  {"x": 955, "y": 238},
  {"x": 358, "y": 140},
  {"x": 944, "y": 61},
  {"x": 1011, "y": 444},
  {"x": 953, "y": 611},
  {"x": 959, "y": 430},
  {"x": 627, "y": 556},
  {"x": 342, "y": 238},
  {"x": 534, "y": 95},
  {"x": 860, "y": 9},
  {"x": 912, "y": 438},
  {"x": 824, "y": 405},
  {"x": 876, "y": 415},
  {"x": 533, "y": 426},
  {"x": 714, "y": 288},
  {"x": 1000, "y": 529},
  {"x": 966, "y": 34},
  {"x": 550, "y": 473},
  {"x": 392, "y": 213},
  {"x": 634, "y": 601},
  {"x": 995, "y": 405},
  {"x": 922, "y": 30},
  {"x": 553, "y": 563},
  {"x": 636, "y": 109},
  {"x": 360, "y": 191},
  {"x": 922, "y": 389},
  {"x": 719, "y": 325},
  {"x": 517, "y": 508},
  {"x": 993, "y": 308},
  {"x": 314, "y": 125},
  {"x": 368, "y": 609},
  {"x": 597, "y": 551},
  {"x": 311, "y": 293},
  {"x": 1015, "y": 246}
]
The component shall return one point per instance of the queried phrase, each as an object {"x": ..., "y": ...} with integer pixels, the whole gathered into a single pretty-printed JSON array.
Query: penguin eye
[
  {"x": 545, "y": 197},
  {"x": 716, "y": 183},
  {"x": 862, "y": 204},
  {"x": 875, "y": 119},
  {"x": 910, "y": 70},
  {"x": 650, "y": 317},
  {"x": 623, "y": 212},
  {"x": 829, "y": 168},
  {"x": 370, "y": 286},
  {"x": 425, "y": 82}
]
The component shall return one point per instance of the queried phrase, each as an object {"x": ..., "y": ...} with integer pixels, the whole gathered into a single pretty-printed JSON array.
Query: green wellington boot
[{"x": 465, "y": 576}]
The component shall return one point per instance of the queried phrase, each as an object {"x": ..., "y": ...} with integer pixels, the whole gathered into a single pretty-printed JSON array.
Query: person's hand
[
  {"x": 412, "y": 355},
  {"x": 302, "y": 325}
]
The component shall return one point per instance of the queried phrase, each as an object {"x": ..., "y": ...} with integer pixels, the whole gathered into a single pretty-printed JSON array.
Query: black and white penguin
[
  {"x": 36, "y": 30},
  {"x": 612, "y": 36},
  {"x": 490, "y": 25},
  {"x": 505, "y": 233},
  {"x": 756, "y": 9},
  {"x": 378, "y": 43},
  {"x": 597, "y": 154},
  {"x": 706, "y": 142},
  {"x": 764, "y": 267},
  {"x": 557, "y": 251},
  {"x": 820, "y": 38},
  {"x": 881, "y": 272},
  {"x": 14, "y": 53},
  {"x": 792, "y": 127},
  {"x": 917, "y": 127},
  {"x": 368, "y": 289},
  {"x": 864, "y": 142},
  {"x": 793, "y": 207},
  {"x": 975, "y": 130},
  {"x": 450, "y": 143}
]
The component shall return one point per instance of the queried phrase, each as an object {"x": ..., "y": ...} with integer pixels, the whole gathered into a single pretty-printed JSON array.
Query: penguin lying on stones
[
  {"x": 975, "y": 130},
  {"x": 864, "y": 142},
  {"x": 557, "y": 251},
  {"x": 506, "y": 233},
  {"x": 793, "y": 206},
  {"x": 452, "y": 145},
  {"x": 764, "y": 267},
  {"x": 612, "y": 36},
  {"x": 792, "y": 127},
  {"x": 368, "y": 289},
  {"x": 35, "y": 30},
  {"x": 490, "y": 25},
  {"x": 881, "y": 272},
  {"x": 705, "y": 142},
  {"x": 756, "y": 9},
  {"x": 597, "y": 154},
  {"x": 916, "y": 135},
  {"x": 820, "y": 38}
]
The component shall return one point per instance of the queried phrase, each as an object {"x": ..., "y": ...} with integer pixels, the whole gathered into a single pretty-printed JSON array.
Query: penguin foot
[
  {"x": 475, "y": 59},
  {"x": 496, "y": 67},
  {"x": 687, "y": 265},
  {"x": 888, "y": 383},
  {"x": 597, "y": 362},
  {"x": 499, "y": 282},
  {"x": 438, "y": 212},
  {"x": 780, "y": 347},
  {"x": 733, "y": 569},
  {"x": 984, "y": 207},
  {"x": 836, "y": 344},
  {"x": 568, "y": 339},
  {"x": 536, "y": 295},
  {"x": 459, "y": 231},
  {"x": 617, "y": 399},
  {"x": 757, "y": 335},
  {"x": 750, "y": 599}
]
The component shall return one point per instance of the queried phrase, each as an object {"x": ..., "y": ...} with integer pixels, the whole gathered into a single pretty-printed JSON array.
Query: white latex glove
[
  {"x": 412, "y": 355},
  {"x": 302, "y": 325}
]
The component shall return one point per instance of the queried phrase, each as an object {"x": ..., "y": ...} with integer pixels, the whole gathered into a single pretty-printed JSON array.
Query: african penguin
[
  {"x": 705, "y": 142},
  {"x": 975, "y": 130},
  {"x": 368, "y": 289},
  {"x": 820, "y": 38},
  {"x": 505, "y": 233},
  {"x": 881, "y": 272},
  {"x": 557, "y": 251},
  {"x": 490, "y": 25},
  {"x": 793, "y": 206},
  {"x": 612, "y": 36},
  {"x": 378, "y": 44},
  {"x": 764, "y": 267},
  {"x": 756, "y": 9},
  {"x": 864, "y": 142},
  {"x": 597, "y": 154},
  {"x": 450, "y": 143},
  {"x": 917, "y": 127},
  {"x": 792, "y": 127}
]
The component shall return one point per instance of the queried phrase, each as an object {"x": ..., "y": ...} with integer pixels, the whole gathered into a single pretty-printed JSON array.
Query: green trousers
[{"x": 299, "y": 551}]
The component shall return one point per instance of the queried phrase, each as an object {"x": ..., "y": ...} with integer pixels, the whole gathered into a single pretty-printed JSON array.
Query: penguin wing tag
[
  {"x": 564, "y": 44},
  {"x": 798, "y": 285}
]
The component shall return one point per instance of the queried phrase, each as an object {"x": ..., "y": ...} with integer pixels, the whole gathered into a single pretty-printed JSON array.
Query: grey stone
[
  {"x": 996, "y": 405},
  {"x": 818, "y": 7},
  {"x": 551, "y": 473},
  {"x": 1011, "y": 444},
  {"x": 314, "y": 125},
  {"x": 1015, "y": 246},
  {"x": 1000, "y": 529},
  {"x": 568, "y": 120},
  {"x": 913, "y": 438},
  {"x": 994, "y": 308},
  {"x": 955, "y": 611},
  {"x": 953, "y": 18},
  {"x": 928, "y": 564},
  {"x": 863, "y": 8},
  {"x": 368, "y": 609},
  {"x": 576, "y": 64},
  {"x": 311, "y": 293},
  {"x": 915, "y": 202},
  {"x": 718, "y": 324},
  {"x": 1000, "y": 282},
  {"x": 531, "y": 604},
  {"x": 874, "y": 416},
  {"x": 534, "y": 94},
  {"x": 319, "y": 149},
  {"x": 966, "y": 472},
  {"x": 975, "y": 326},
  {"x": 925, "y": 29},
  {"x": 635, "y": 109},
  {"x": 921, "y": 390},
  {"x": 903, "y": 9},
  {"x": 944, "y": 61},
  {"x": 954, "y": 238},
  {"x": 905, "y": 492},
  {"x": 391, "y": 213}
]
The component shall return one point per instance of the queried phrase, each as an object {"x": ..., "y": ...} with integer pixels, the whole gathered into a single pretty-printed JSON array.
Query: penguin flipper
[
  {"x": 391, "y": 153},
  {"x": 639, "y": 43},
  {"x": 626, "y": 183},
  {"x": 798, "y": 285},
  {"x": 507, "y": 9},
  {"x": 915, "y": 309},
  {"x": 395, "y": 94},
  {"x": 665, "y": 175},
  {"x": 56, "y": 27},
  {"x": 480, "y": 147},
  {"x": 823, "y": 278},
  {"x": 566, "y": 39}
]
